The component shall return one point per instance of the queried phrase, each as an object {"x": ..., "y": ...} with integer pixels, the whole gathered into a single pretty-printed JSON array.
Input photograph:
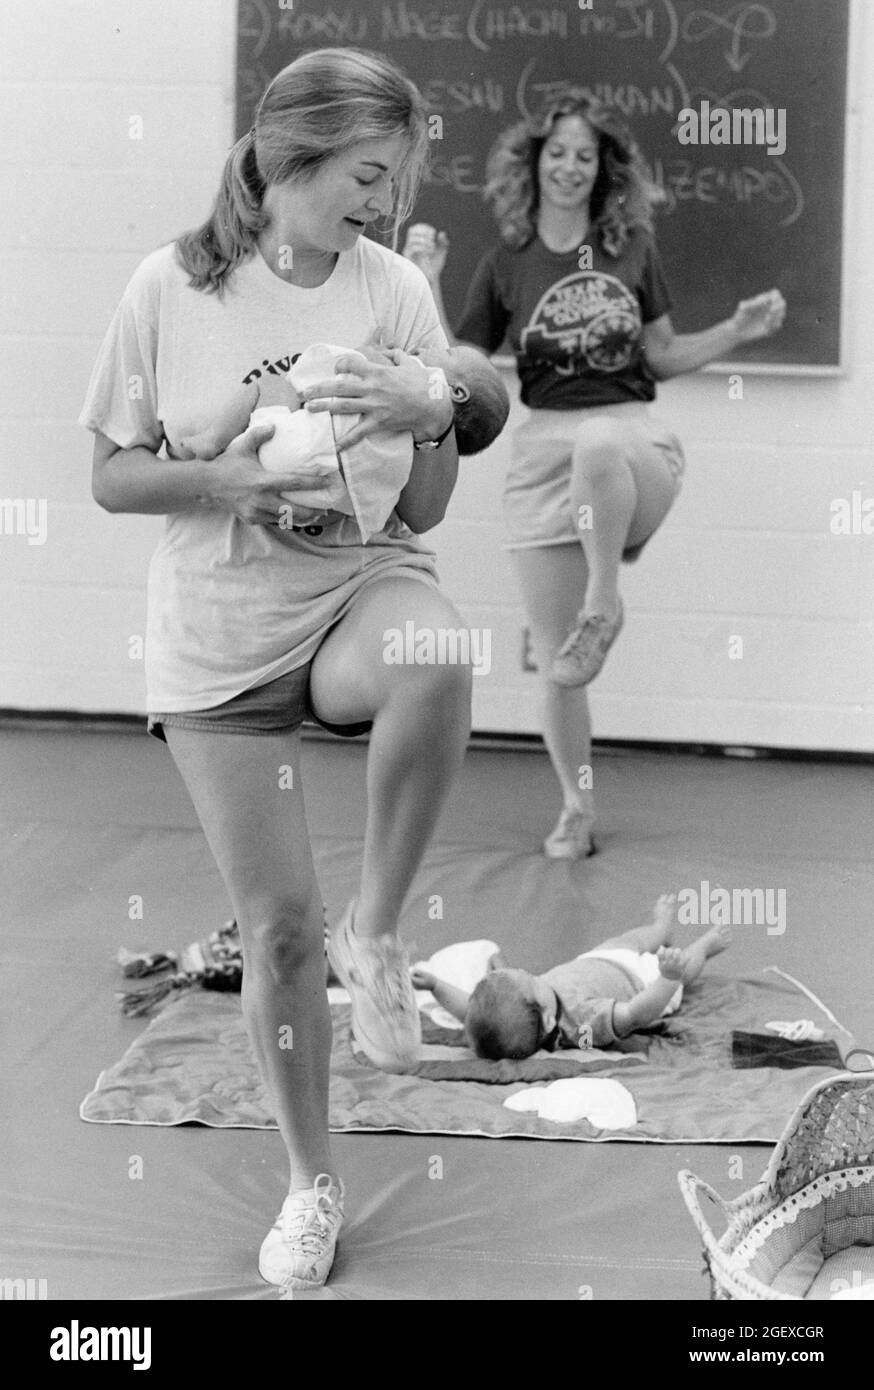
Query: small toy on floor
[
  {"x": 796, "y": 1030},
  {"x": 627, "y": 983},
  {"x": 215, "y": 963}
]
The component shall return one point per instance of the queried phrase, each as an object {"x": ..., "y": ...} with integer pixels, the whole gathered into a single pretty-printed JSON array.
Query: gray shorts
[{"x": 282, "y": 704}]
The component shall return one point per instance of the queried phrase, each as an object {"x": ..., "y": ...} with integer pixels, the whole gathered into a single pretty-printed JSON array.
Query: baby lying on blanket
[{"x": 626, "y": 983}]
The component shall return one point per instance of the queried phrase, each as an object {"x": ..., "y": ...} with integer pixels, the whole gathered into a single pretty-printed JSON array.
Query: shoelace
[
  {"x": 393, "y": 988},
  {"x": 575, "y": 639},
  {"x": 313, "y": 1226},
  {"x": 589, "y": 621}
]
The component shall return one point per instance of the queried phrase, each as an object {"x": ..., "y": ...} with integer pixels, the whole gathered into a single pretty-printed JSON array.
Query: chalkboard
[{"x": 736, "y": 219}]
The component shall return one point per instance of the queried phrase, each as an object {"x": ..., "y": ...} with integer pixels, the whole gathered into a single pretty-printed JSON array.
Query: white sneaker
[
  {"x": 584, "y": 652},
  {"x": 572, "y": 836},
  {"x": 298, "y": 1250},
  {"x": 385, "y": 1016}
]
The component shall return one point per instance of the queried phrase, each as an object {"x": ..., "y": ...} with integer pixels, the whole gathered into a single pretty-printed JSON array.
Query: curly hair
[{"x": 623, "y": 196}]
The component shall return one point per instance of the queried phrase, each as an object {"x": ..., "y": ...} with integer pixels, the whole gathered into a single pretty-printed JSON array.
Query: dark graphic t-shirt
[{"x": 576, "y": 333}]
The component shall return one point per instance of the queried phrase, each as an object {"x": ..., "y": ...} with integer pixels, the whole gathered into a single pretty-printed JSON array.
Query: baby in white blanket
[{"x": 369, "y": 477}]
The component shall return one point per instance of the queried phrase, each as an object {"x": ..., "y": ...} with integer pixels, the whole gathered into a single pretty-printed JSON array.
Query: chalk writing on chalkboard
[{"x": 733, "y": 220}]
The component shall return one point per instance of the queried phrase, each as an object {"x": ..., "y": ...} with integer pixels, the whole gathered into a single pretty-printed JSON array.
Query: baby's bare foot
[
  {"x": 717, "y": 939},
  {"x": 665, "y": 915}
]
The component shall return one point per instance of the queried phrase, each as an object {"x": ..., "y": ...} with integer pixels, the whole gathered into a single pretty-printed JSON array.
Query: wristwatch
[{"x": 427, "y": 445}]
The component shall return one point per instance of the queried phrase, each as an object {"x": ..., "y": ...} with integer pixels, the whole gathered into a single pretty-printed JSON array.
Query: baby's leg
[
  {"x": 687, "y": 963},
  {"x": 658, "y": 932}
]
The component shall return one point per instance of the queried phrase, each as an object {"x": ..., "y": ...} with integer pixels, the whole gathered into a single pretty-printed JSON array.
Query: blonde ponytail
[{"x": 230, "y": 233}]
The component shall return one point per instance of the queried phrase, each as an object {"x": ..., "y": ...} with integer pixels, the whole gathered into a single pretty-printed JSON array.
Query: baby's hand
[
  {"x": 422, "y": 978},
  {"x": 374, "y": 354},
  {"x": 672, "y": 962},
  {"x": 377, "y": 347}
]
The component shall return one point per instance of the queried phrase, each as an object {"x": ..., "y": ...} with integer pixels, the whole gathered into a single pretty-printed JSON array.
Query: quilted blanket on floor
[{"x": 193, "y": 1063}]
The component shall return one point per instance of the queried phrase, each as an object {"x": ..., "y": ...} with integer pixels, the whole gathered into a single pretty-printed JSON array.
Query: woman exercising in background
[{"x": 576, "y": 284}]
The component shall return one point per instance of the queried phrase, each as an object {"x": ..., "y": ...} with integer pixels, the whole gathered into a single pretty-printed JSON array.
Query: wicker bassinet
[{"x": 806, "y": 1230}]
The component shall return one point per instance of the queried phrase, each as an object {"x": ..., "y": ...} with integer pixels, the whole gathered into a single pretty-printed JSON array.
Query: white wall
[{"x": 747, "y": 552}]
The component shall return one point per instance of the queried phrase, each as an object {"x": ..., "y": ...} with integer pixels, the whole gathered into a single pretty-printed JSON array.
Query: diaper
[
  {"x": 643, "y": 966},
  {"x": 303, "y": 442}
]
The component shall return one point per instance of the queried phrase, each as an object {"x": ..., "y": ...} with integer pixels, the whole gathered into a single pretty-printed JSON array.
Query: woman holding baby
[
  {"x": 254, "y": 624},
  {"x": 576, "y": 286}
]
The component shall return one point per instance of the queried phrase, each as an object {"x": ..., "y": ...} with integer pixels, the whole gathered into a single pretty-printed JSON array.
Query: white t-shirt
[{"x": 231, "y": 605}]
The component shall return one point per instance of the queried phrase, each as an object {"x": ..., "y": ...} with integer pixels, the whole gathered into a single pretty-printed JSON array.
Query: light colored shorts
[
  {"x": 537, "y": 502},
  {"x": 641, "y": 965}
]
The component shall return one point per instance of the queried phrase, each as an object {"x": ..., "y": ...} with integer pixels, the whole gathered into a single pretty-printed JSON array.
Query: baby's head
[
  {"x": 478, "y": 394},
  {"x": 510, "y": 1014}
]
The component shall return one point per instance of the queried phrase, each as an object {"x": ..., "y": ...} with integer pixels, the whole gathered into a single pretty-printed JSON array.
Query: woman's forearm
[
  {"x": 689, "y": 351},
  {"x": 136, "y": 480}
]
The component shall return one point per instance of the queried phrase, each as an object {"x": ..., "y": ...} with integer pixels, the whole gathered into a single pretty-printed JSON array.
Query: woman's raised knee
[
  {"x": 600, "y": 444},
  {"x": 444, "y": 686}
]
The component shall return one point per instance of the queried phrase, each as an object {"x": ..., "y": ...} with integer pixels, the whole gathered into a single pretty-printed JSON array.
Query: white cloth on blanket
[
  {"x": 463, "y": 964},
  {"x": 606, "y": 1104}
]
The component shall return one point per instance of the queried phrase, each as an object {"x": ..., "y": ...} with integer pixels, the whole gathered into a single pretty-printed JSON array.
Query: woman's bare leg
[
  {"x": 256, "y": 828},
  {"x": 630, "y": 489},
  {"x": 421, "y": 723},
  {"x": 551, "y": 579}
]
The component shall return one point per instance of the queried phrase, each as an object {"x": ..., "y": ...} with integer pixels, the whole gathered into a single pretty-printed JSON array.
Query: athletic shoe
[
  {"x": 298, "y": 1250},
  {"x": 584, "y": 652},
  {"x": 572, "y": 836},
  {"x": 385, "y": 1017}
]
